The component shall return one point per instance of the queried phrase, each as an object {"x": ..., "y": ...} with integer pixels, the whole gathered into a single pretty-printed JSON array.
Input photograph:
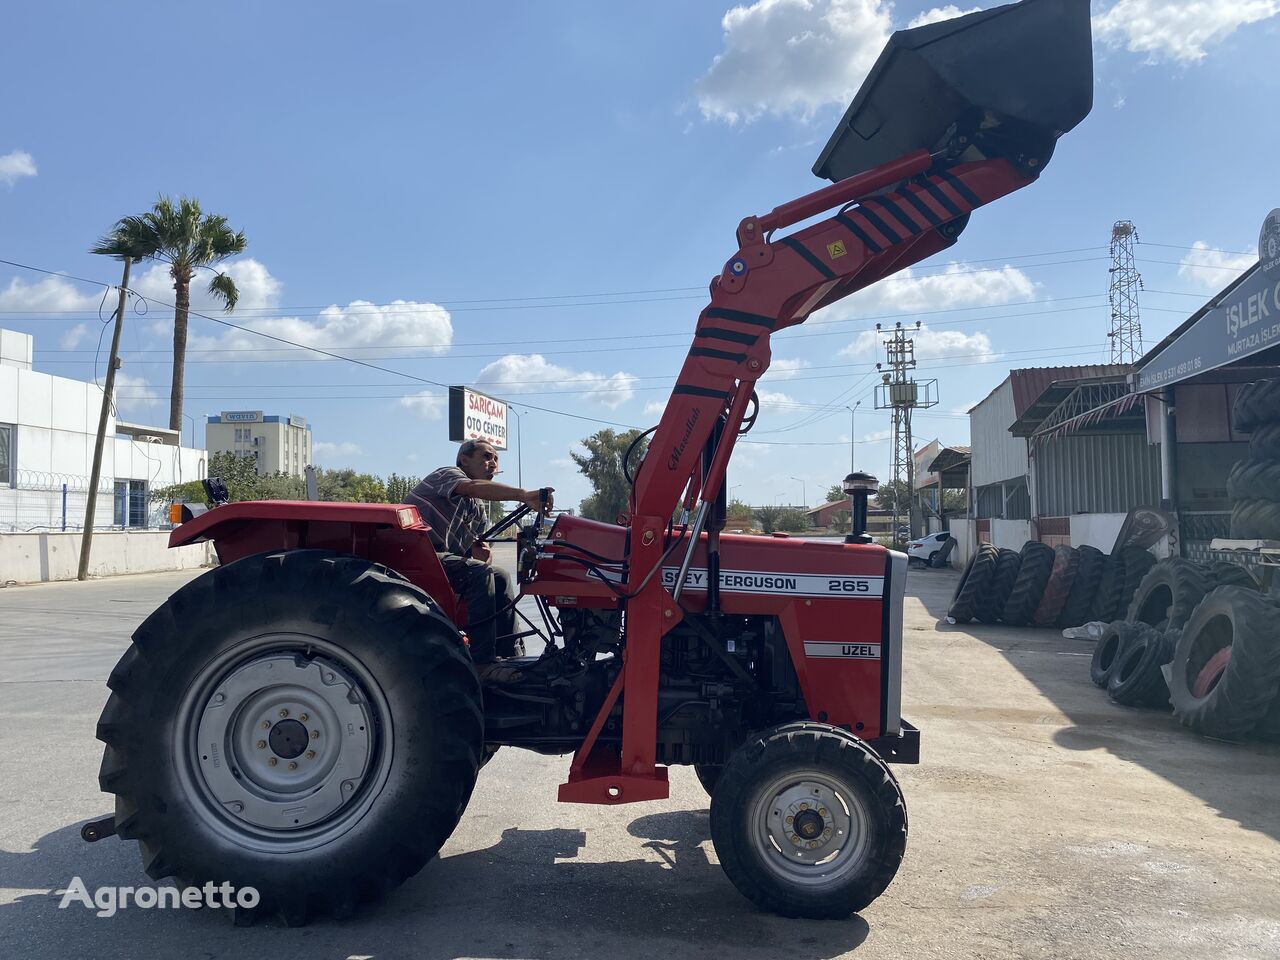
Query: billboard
[
  {"x": 241, "y": 416},
  {"x": 474, "y": 416}
]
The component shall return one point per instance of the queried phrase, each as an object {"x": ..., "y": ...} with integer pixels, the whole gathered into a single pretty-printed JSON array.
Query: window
[
  {"x": 130, "y": 504},
  {"x": 8, "y": 469}
]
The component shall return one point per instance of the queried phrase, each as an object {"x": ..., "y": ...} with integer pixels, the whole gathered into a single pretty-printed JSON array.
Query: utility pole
[
  {"x": 901, "y": 393},
  {"x": 1126, "y": 325},
  {"x": 853, "y": 436},
  {"x": 95, "y": 474},
  {"x": 519, "y": 449}
]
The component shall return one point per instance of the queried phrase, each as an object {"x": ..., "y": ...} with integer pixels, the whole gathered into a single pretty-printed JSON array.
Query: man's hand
[
  {"x": 533, "y": 499},
  {"x": 481, "y": 551}
]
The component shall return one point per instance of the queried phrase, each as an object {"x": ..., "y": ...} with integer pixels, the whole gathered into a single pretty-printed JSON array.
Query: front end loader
[{"x": 306, "y": 719}]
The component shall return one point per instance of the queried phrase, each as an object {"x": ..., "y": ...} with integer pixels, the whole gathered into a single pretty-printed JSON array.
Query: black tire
[
  {"x": 1256, "y": 403},
  {"x": 1168, "y": 593},
  {"x": 1254, "y": 480},
  {"x": 790, "y": 758},
  {"x": 334, "y": 627},
  {"x": 991, "y": 603},
  {"x": 1110, "y": 585},
  {"x": 1224, "y": 573},
  {"x": 1264, "y": 442},
  {"x": 977, "y": 573},
  {"x": 708, "y": 775},
  {"x": 1066, "y": 561},
  {"x": 931, "y": 562},
  {"x": 1136, "y": 679},
  {"x": 1246, "y": 688},
  {"x": 1080, "y": 602},
  {"x": 1255, "y": 520},
  {"x": 1109, "y": 649},
  {"x": 1028, "y": 589},
  {"x": 1137, "y": 563}
]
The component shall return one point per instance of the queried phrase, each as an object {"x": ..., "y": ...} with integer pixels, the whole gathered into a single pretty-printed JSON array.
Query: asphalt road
[{"x": 1045, "y": 822}]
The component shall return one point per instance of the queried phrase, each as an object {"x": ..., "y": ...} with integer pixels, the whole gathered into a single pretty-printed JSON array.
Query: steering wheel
[{"x": 515, "y": 516}]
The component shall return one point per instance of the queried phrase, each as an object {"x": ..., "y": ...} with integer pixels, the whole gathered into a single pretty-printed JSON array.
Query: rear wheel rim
[
  {"x": 810, "y": 828},
  {"x": 283, "y": 742}
]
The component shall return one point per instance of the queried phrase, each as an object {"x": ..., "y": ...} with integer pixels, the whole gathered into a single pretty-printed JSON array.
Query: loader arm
[{"x": 887, "y": 219}]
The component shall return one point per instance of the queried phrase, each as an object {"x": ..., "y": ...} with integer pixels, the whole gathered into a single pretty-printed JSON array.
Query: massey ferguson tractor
[{"x": 306, "y": 719}]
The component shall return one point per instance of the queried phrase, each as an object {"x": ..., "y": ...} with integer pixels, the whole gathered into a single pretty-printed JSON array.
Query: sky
[{"x": 531, "y": 198}]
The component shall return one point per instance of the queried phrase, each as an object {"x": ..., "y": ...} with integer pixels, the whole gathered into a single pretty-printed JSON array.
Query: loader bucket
[{"x": 1011, "y": 80}]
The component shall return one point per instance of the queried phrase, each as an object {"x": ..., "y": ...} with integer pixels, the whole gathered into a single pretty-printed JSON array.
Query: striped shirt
[{"x": 456, "y": 521}]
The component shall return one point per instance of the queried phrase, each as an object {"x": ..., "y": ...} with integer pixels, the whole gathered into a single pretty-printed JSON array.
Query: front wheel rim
[
  {"x": 283, "y": 742},
  {"x": 810, "y": 828}
]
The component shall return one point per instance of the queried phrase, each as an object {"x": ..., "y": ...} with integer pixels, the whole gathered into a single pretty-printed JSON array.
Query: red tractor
[{"x": 306, "y": 718}]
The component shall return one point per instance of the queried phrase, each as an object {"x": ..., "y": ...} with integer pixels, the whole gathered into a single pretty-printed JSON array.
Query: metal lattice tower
[
  {"x": 1126, "y": 326},
  {"x": 901, "y": 394}
]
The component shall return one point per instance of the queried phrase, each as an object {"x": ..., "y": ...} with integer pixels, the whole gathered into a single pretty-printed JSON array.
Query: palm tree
[{"x": 186, "y": 239}]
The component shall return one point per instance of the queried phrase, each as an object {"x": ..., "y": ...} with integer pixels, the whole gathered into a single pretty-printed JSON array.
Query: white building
[
  {"x": 47, "y": 429},
  {"x": 278, "y": 444}
]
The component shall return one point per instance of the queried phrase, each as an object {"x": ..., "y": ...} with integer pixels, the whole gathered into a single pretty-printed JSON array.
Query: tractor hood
[{"x": 1009, "y": 81}]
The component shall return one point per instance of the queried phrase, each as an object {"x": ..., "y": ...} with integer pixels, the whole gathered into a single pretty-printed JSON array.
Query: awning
[{"x": 1090, "y": 418}]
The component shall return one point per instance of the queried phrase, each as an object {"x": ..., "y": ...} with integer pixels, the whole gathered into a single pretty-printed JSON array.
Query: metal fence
[{"x": 41, "y": 502}]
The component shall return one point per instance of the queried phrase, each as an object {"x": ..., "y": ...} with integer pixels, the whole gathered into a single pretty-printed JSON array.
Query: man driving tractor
[{"x": 448, "y": 500}]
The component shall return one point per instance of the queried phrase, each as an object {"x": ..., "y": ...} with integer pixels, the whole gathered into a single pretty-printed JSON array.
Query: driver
[{"x": 448, "y": 500}]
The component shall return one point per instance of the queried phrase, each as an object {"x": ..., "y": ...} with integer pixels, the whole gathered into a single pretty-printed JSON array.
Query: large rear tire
[
  {"x": 1168, "y": 593},
  {"x": 1028, "y": 589},
  {"x": 1066, "y": 561},
  {"x": 303, "y": 723},
  {"x": 991, "y": 603},
  {"x": 1079, "y": 606},
  {"x": 973, "y": 583},
  {"x": 808, "y": 822}
]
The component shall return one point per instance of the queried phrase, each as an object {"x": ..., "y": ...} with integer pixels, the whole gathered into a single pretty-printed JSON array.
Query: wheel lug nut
[
  {"x": 311, "y": 754},
  {"x": 262, "y": 744},
  {"x": 293, "y": 765},
  {"x": 283, "y": 714},
  {"x": 303, "y": 717},
  {"x": 315, "y": 734},
  {"x": 271, "y": 761},
  {"x": 265, "y": 724}
]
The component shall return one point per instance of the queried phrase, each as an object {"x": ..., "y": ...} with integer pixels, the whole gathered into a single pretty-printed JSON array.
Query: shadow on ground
[
  {"x": 1236, "y": 779},
  {"x": 532, "y": 894}
]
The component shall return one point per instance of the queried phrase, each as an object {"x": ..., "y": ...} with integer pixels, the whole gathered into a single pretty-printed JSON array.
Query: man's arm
[{"x": 489, "y": 490}]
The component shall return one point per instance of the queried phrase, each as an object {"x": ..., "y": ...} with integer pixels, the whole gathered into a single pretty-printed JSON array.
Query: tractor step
[
  {"x": 600, "y": 780},
  {"x": 96, "y": 830}
]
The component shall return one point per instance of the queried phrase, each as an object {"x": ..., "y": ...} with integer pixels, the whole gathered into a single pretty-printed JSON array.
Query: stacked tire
[
  {"x": 1048, "y": 586},
  {"x": 1254, "y": 484}
]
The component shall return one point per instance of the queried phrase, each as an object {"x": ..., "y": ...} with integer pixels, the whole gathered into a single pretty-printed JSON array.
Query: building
[
  {"x": 1060, "y": 455},
  {"x": 278, "y": 444},
  {"x": 48, "y": 426}
]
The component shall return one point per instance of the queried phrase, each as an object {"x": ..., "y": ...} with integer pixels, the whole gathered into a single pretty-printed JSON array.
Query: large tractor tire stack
[
  {"x": 1254, "y": 484},
  {"x": 1048, "y": 586}
]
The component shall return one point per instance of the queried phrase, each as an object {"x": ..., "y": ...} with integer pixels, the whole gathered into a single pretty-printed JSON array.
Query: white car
[{"x": 926, "y": 549}]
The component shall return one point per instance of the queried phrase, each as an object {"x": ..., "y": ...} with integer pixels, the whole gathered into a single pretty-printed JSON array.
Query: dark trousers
[{"x": 484, "y": 589}]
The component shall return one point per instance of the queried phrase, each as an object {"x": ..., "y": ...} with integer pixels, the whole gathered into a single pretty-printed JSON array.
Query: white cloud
[
  {"x": 654, "y": 408},
  {"x": 71, "y": 339},
  {"x": 929, "y": 344},
  {"x": 787, "y": 368},
  {"x": 427, "y": 405},
  {"x": 16, "y": 165},
  {"x": 258, "y": 288},
  {"x": 133, "y": 395},
  {"x": 773, "y": 396},
  {"x": 1178, "y": 30},
  {"x": 1213, "y": 269},
  {"x": 792, "y": 57},
  {"x": 325, "y": 450},
  {"x": 875, "y": 436},
  {"x": 940, "y": 13},
  {"x": 53, "y": 294},
  {"x": 533, "y": 372}
]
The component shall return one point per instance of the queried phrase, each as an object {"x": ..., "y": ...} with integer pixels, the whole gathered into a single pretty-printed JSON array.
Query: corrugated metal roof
[{"x": 1030, "y": 382}]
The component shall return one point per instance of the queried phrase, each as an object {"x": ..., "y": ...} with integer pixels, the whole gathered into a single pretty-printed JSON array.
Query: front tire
[
  {"x": 303, "y": 723},
  {"x": 808, "y": 821}
]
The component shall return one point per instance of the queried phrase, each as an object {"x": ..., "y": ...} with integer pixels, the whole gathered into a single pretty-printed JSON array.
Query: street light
[
  {"x": 804, "y": 493},
  {"x": 187, "y": 416},
  {"x": 853, "y": 436},
  {"x": 859, "y": 486},
  {"x": 519, "y": 449}
]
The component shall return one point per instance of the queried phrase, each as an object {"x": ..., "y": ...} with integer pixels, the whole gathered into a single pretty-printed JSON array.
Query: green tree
[
  {"x": 398, "y": 488},
  {"x": 240, "y": 474},
  {"x": 792, "y": 521},
  {"x": 894, "y": 490},
  {"x": 954, "y": 502},
  {"x": 836, "y": 492},
  {"x": 602, "y": 466},
  {"x": 768, "y": 517},
  {"x": 350, "y": 487},
  {"x": 281, "y": 486},
  {"x": 739, "y": 511},
  {"x": 187, "y": 239}
]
